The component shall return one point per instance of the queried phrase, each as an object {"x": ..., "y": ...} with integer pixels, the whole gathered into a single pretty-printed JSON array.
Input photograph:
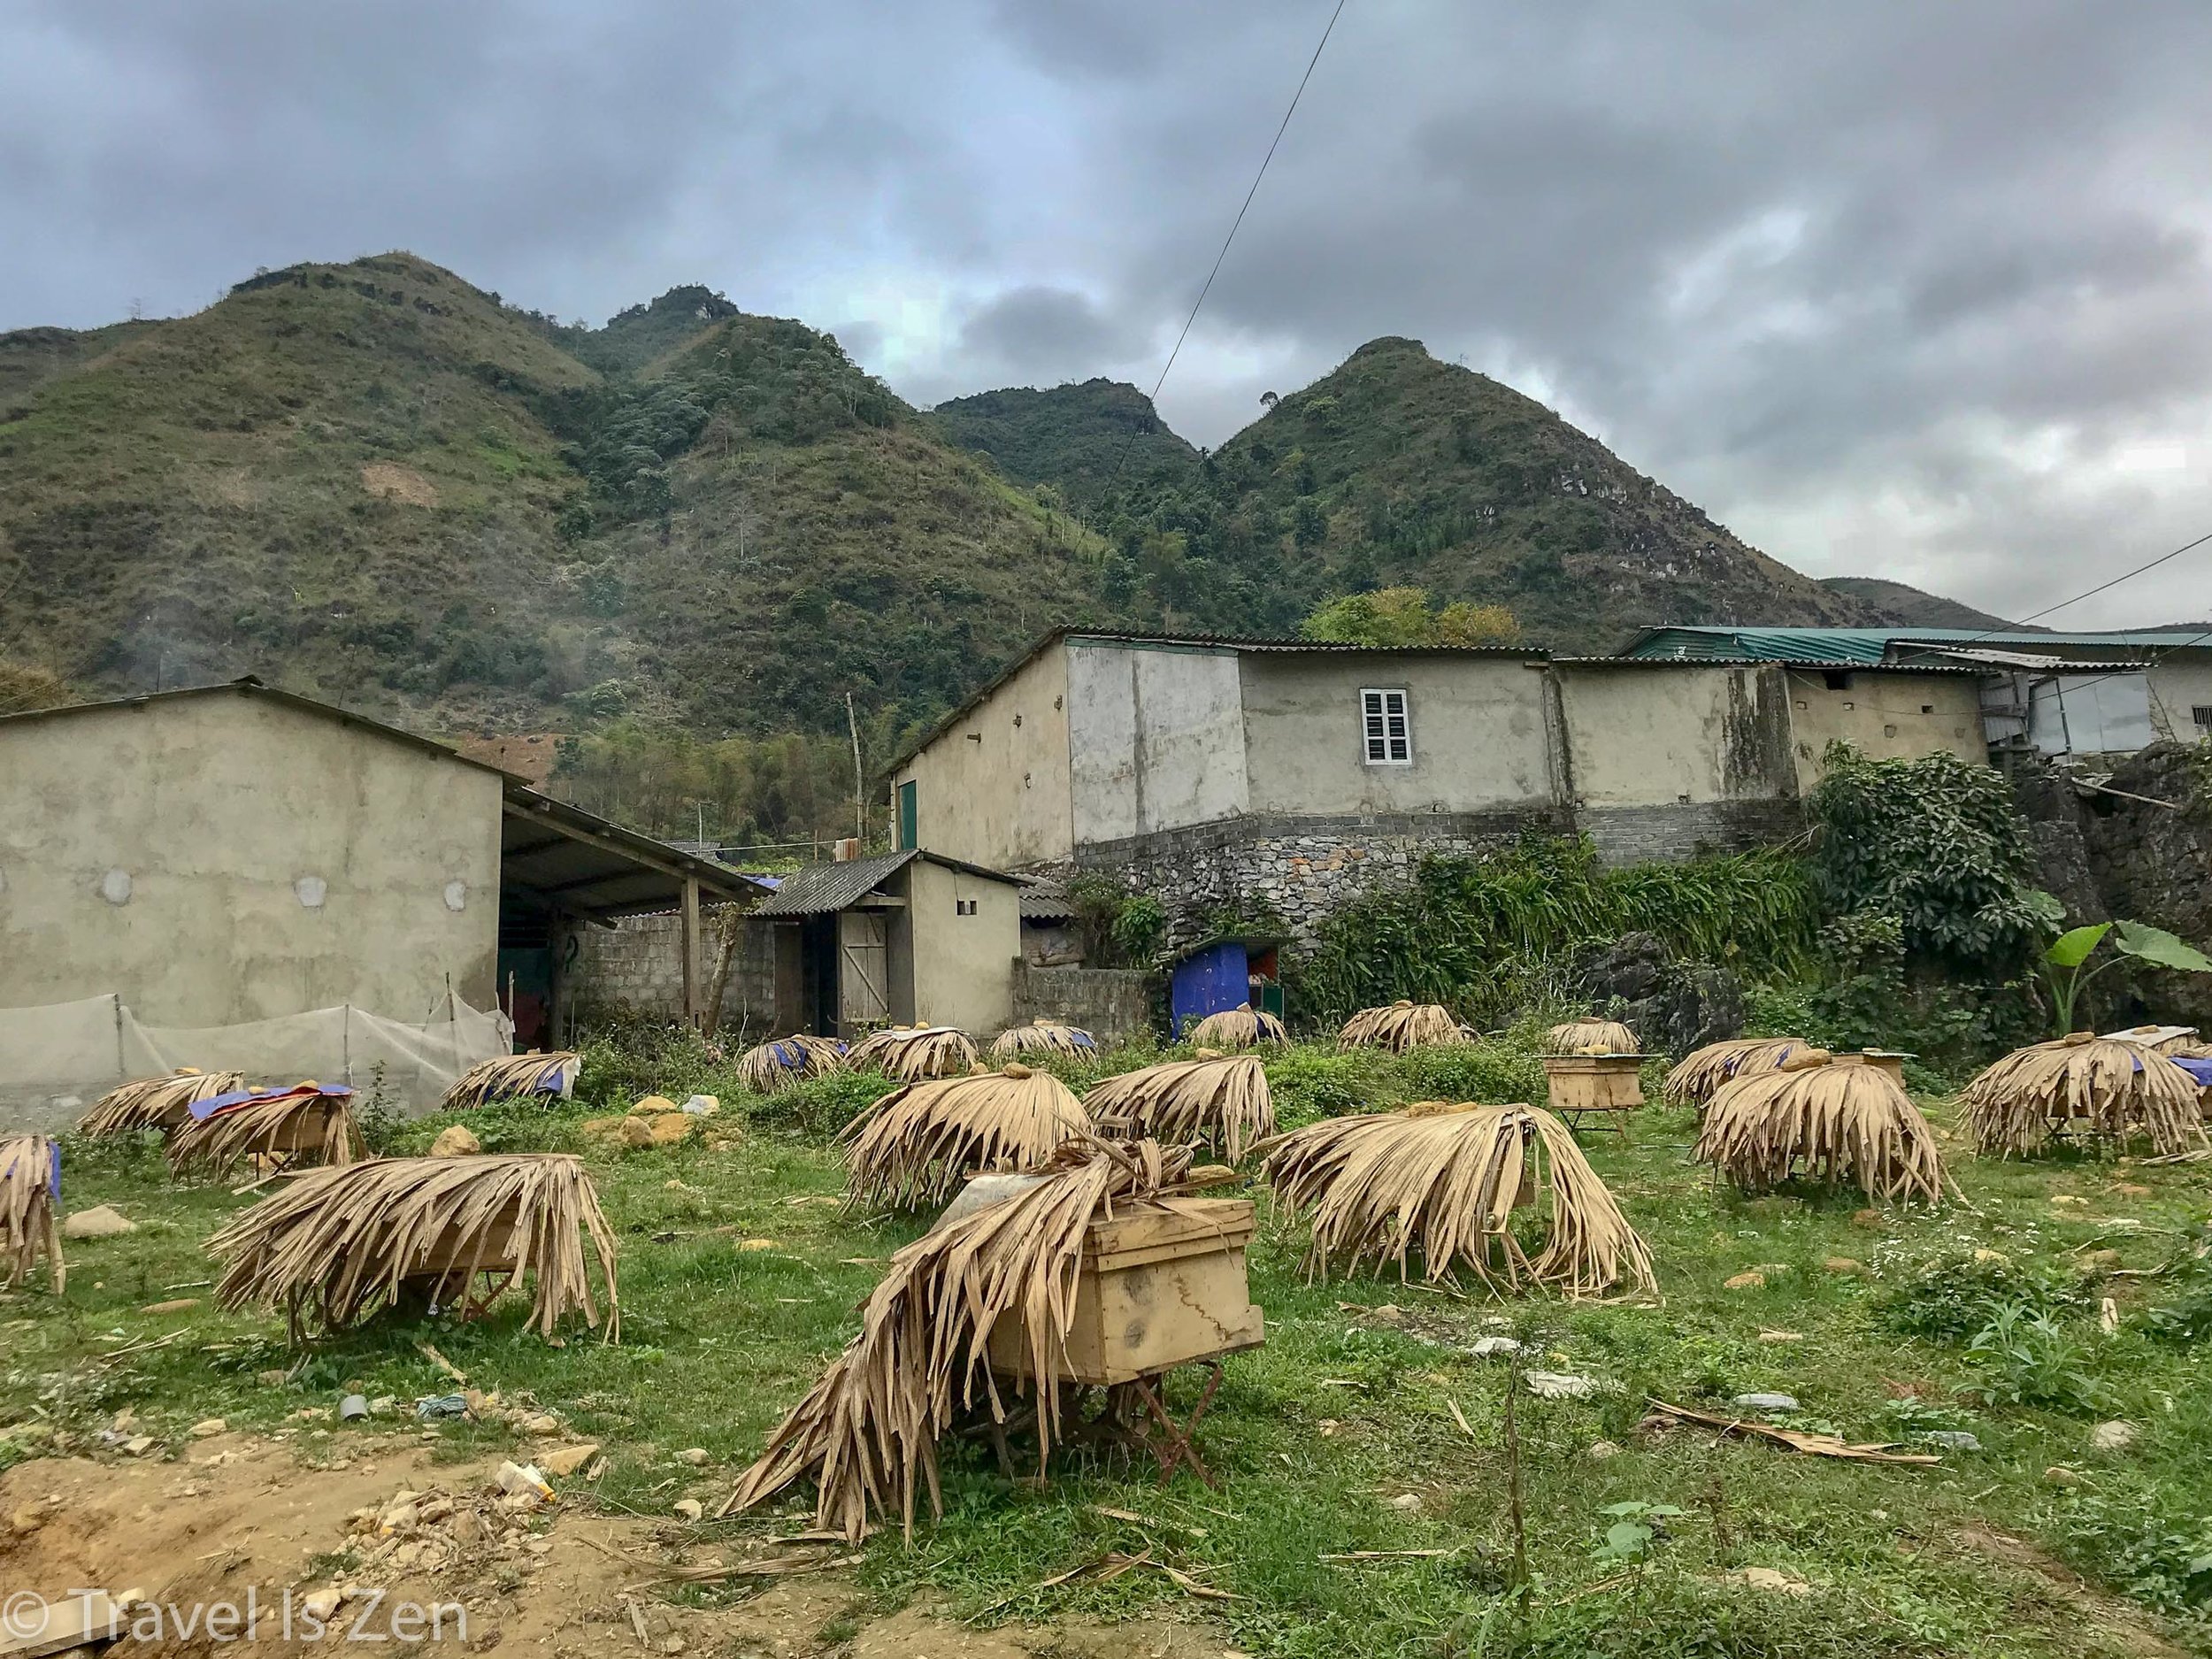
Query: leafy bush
[
  {"x": 1309, "y": 1083},
  {"x": 1953, "y": 1298},
  {"x": 1490, "y": 1071},
  {"x": 822, "y": 1105},
  {"x": 502, "y": 1126},
  {"x": 2027, "y": 1358}
]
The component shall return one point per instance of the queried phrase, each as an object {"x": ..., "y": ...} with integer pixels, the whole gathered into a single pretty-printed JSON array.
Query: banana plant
[{"x": 2066, "y": 969}]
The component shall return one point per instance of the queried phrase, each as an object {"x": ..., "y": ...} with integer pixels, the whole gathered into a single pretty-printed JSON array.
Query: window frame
[{"x": 1370, "y": 739}]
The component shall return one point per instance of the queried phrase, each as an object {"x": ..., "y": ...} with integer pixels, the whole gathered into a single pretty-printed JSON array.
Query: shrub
[
  {"x": 1309, "y": 1083},
  {"x": 1953, "y": 1298},
  {"x": 1492, "y": 1072}
]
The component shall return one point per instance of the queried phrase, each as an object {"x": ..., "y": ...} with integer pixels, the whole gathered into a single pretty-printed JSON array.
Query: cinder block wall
[
  {"x": 637, "y": 967},
  {"x": 1113, "y": 1005}
]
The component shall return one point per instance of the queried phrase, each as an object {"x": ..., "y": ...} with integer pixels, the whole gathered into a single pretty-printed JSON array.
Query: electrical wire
[{"x": 1235, "y": 226}]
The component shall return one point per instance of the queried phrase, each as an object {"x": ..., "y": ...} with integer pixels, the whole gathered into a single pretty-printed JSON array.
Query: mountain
[
  {"x": 1084, "y": 440},
  {"x": 1907, "y": 607},
  {"x": 378, "y": 483},
  {"x": 1395, "y": 469}
]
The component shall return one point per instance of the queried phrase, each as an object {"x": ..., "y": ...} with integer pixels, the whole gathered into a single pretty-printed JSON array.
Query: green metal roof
[{"x": 1870, "y": 645}]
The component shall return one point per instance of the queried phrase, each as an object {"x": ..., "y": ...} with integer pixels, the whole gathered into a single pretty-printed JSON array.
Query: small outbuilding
[{"x": 904, "y": 938}]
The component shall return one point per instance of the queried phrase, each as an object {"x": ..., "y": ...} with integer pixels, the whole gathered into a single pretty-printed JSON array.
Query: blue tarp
[
  {"x": 1209, "y": 981},
  {"x": 2200, "y": 1070},
  {"x": 203, "y": 1110}
]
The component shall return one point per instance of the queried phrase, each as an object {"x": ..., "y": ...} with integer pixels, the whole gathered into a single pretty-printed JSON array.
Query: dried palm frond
[
  {"x": 777, "y": 1065},
  {"x": 915, "y": 1147},
  {"x": 1222, "y": 1101},
  {"x": 30, "y": 1202},
  {"x": 1701, "y": 1071},
  {"x": 2082, "y": 1087},
  {"x": 867, "y": 1432},
  {"x": 1043, "y": 1036},
  {"x": 1591, "y": 1035},
  {"x": 1446, "y": 1183},
  {"x": 340, "y": 1243},
  {"x": 309, "y": 1122},
  {"x": 157, "y": 1103},
  {"x": 1402, "y": 1026},
  {"x": 1832, "y": 1120},
  {"x": 1242, "y": 1026},
  {"x": 910, "y": 1053},
  {"x": 506, "y": 1076}
]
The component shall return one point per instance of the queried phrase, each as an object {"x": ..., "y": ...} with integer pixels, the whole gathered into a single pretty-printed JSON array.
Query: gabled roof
[
  {"x": 557, "y": 855},
  {"x": 821, "y": 889}
]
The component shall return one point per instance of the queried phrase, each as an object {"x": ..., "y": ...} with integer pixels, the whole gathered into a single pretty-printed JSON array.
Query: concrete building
[
  {"x": 1206, "y": 770},
  {"x": 2087, "y": 697},
  {"x": 232, "y": 853},
  {"x": 900, "y": 938}
]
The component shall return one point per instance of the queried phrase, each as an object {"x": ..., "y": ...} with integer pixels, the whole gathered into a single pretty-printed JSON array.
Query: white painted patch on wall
[
  {"x": 457, "y": 896},
  {"x": 313, "y": 891},
  {"x": 115, "y": 887}
]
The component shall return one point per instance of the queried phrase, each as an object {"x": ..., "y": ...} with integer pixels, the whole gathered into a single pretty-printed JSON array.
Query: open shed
[{"x": 901, "y": 937}]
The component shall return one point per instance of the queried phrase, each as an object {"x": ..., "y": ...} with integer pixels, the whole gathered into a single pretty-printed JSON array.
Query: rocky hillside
[
  {"x": 1087, "y": 441},
  {"x": 379, "y": 483},
  {"x": 1398, "y": 469},
  {"x": 1907, "y": 607}
]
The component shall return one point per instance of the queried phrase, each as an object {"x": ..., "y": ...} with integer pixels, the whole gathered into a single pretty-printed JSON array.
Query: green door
[{"x": 909, "y": 837}]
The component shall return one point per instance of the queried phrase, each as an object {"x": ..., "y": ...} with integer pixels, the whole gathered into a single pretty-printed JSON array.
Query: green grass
[{"x": 1347, "y": 1406}]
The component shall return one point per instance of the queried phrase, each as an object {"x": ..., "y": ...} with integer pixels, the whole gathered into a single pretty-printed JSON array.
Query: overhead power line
[{"x": 1234, "y": 225}]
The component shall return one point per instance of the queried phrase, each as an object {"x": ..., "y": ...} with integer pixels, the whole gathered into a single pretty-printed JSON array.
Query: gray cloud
[{"x": 1893, "y": 288}]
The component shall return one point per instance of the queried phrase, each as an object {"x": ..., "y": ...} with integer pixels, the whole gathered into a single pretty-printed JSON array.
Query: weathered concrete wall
[
  {"x": 1156, "y": 739},
  {"x": 1674, "y": 734},
  {"x": 1888, "y": 715},
  {"x": 1113, "y": 1005},
  {"x": 225, "y": 858},
  {"x": 638, "y": 966},
  {"x": 2180, "y": 683},
  {"x": 1477, "y": 725},
  {"x": 994, "y": 788},
  {"x": 964, "y": 965},
  {"x": 1679, "y": 831}
]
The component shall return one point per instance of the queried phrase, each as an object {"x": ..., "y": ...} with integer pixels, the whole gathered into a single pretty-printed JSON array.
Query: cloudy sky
[{"x": 1901, "y": 289}]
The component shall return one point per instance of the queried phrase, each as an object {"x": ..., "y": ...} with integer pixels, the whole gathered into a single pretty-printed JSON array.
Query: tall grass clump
[{"x": 1489, "y": 936}]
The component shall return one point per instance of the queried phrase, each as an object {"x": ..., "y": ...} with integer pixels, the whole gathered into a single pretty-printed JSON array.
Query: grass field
[{"x": 741, "y": 1273}]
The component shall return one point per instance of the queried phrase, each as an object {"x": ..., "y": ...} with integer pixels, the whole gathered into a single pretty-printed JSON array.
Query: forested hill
[
  {"x": 378, "y": 483},
  {"x": 1084, "y": 440},
  {"x": 1395, "y": 469}
]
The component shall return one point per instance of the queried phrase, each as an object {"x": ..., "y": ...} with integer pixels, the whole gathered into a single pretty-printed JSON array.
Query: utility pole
[{"x": 860, "y": 777}]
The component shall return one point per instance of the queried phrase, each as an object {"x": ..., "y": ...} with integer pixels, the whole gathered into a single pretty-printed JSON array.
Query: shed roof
[
  {"x": 557, "y": 855},
  {"x": 1870, "y": 645},
  {"x": 821, "y": 889}
]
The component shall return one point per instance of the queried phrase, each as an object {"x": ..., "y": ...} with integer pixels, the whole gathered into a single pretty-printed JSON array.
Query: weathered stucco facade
[
  {"x": 214, "y": 860},
  {"x": 1208, "y": 771}
]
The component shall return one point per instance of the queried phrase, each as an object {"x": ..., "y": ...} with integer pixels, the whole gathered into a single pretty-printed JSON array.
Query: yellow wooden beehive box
[
  {"x": 1162, "y": 1284},
  {"x": 1595, "y": 1082}
]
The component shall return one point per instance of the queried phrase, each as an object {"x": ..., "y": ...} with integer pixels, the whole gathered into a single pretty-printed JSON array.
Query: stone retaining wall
[{"x": 1113, "y": 1005}]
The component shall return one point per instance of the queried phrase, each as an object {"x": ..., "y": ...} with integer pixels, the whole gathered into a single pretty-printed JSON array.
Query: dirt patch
[
  {"x": 388, "y": 482},
  {"x": 2128, "y": 1628},
  {"x": 234, "y": 1515}
]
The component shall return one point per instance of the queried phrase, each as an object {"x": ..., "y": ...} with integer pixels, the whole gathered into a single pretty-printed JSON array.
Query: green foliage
[
  {"x": 2027, "y": 1358},
  {"x": 2155, "y": 1544},
  {"x": 1935, "y": 843},
  {"x": 2065, "y": 961},
  {"x": 1488, "y": 936},
  {"x": 1635, "y": 1526},
  {"x": 1954, "y": 1296},
  {"x": 1403, "y": 617},
  {"x": 1496, "y": 1073},
  {"x": 2183, "y": 1312},
  {"x": 773, "y": 801},
  {"x": 1306, "y": 1082}
]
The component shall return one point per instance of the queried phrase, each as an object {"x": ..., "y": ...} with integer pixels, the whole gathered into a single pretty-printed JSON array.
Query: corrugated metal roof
[
  {"x": 1870, "y": 645},
  {"x": 1758, "y": 662},
  {"x": 818, "y": 889},
  {"x": 1046, "y": 902}
]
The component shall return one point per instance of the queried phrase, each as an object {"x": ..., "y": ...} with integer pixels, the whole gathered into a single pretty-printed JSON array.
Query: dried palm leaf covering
[
  {"x": 1043, "y": 1036},
  {"x": 867, "y": 1434},
  {"x": 1701, "y": 1071},
  {"x": 338, "y": 1244},
  {"x": 511, "y": 1076},
  {"x": 1591, "y": 1035},
  {"x": 2083, "y": 1087},
  {"x": 1222, "y": 1101},
  {"x": 1447, "y": 1182},
  {"x": 1402, "y": 1026},
  {"x": 1242, "y": 1026},
  {"x": 30, "y": 1209},
  {"x": 910, "y": 1053},
  {"x": 917, "y": 1145},
  {"x": 157, "y": 1103},
  {"x": 784, "y": 1061},
  {"x": 2166, "y": 1039},
  {"x": 309, "y": 1122},
  {"x": 1829, "y": 1121}
]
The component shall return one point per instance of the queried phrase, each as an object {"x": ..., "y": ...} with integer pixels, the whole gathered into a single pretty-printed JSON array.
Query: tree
[{"x": 1402, "y": 615}]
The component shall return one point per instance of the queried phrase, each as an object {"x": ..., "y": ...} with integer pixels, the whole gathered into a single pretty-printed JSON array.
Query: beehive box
[
  {"x": 1161, "y": 1286},
  {"x": 1884, "y": 1060},
  {"x": 1595, "y": 1082}
]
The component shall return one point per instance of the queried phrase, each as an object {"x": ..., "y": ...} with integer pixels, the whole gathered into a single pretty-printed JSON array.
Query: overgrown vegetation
[{"x": 1399, "y": 617}]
